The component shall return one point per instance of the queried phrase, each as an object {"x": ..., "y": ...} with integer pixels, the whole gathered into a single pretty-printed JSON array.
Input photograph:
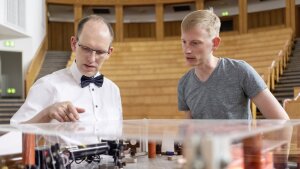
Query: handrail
[
  {"x": 71, "y": 60},
  {"x": 36, "y": 65},
  {"x": 296, "y": 91}
]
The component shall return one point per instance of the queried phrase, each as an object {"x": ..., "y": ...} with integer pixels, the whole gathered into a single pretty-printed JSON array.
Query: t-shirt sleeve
[
  {"x": 250, "y": 80},
  {"x": 182, "y": 106}
]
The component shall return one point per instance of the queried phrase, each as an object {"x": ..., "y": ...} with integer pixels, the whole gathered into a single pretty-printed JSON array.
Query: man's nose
[
  {"x": 92, "y": 56},
  {"x": 187, "y": 49}
]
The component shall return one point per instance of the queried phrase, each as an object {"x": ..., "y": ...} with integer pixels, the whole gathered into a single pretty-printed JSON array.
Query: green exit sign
[
  {"x": 9, "y": 43},
  {"x": 11, "y": 90},
  {"x": 225, "y": 13}
]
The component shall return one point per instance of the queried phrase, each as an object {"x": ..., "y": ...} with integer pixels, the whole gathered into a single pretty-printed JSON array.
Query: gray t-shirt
[{"x": 224, "y": 95}]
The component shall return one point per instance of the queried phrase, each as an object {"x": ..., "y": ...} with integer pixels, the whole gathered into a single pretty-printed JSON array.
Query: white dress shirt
[{"x": 100, "y": 103}]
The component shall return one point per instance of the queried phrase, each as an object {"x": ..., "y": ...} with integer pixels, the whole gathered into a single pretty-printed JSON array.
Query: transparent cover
[{"x": 151, "y": 144}]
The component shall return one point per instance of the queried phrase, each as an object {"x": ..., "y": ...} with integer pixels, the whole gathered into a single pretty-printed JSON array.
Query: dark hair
[{"x": 94, "y": 18}]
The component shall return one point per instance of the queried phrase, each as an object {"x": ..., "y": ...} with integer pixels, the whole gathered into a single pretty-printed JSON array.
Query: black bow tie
[{"x": 85, "y": 81}]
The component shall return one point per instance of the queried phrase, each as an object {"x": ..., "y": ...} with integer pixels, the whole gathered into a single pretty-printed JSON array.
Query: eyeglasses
[{"x": 90, "y": 51}]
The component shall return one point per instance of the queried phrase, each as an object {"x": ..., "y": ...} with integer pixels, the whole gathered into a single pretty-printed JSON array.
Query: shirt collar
[{"x": 77, "y": 74}]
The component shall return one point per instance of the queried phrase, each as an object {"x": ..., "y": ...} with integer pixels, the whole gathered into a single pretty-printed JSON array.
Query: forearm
[
  {"x": 41, "y": 117},
  {"x": 276, "y": 112},
  {"x": 269, "y": 106}
]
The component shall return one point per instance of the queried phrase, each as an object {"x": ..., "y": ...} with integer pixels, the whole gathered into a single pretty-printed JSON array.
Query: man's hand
[
  {"x": 285, "y": 101},
  {"x": 61, "y": 111}
]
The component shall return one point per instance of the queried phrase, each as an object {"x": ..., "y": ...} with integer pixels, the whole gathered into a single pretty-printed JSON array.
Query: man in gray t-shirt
[
  {"x": 224, "y": 95},
  {"x": 218, "y": 88}
]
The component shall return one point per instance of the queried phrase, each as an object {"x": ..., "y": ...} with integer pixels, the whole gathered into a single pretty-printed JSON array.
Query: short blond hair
[{"x": 207, "y": 19}]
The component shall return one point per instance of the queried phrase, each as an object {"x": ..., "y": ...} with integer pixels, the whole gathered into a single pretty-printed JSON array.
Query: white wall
[
  {"x": 1, "y": 9},
  {"x": 35, "y": 30}
]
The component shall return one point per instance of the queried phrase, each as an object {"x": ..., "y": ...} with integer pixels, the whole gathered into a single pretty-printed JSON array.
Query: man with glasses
[{"x": 81, "y": 92}]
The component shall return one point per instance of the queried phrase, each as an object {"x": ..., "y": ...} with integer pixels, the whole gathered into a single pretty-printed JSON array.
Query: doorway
[{"x": 11, "y": 75}]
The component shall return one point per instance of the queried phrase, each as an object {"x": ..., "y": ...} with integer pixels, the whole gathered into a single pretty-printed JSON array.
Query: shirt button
[
  {"x": 96, "y": 106},
  {"x": 92, "y": 89}
]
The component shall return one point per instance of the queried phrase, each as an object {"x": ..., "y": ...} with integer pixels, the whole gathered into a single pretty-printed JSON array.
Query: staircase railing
[
  {"x": 71, "y": 60},
  {"x": 36, "y": 65}
]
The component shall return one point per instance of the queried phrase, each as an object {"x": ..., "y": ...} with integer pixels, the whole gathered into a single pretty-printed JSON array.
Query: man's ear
[
  {"x": 73, "y": 42},
  {"x": 110, "y": 50},
  {"x": 216, "y": 42}
]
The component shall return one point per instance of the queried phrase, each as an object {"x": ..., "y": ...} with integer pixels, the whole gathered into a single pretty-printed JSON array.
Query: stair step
[
  {"x": 294, "y": 58},
  {"x": 9, "y": 109},
  {"x": 284, "y": 94},
  {"x": 58, "y": 56},
  {"x": 53, "y": 65},
  {"x": 292, "y": 70},
  {"x": 296, "y": 50},
  {"x": 6, "y": 115},
  {"x": 288, "y": 77},
  {"x": 281, "y": 99},
  {"x": 11, "y": 100},
  {"x": 286, "y": 81},
  {"x": 291, "y": 76},
  {"x": 47, "y": 69},
  {"x": 58, "y": 52},
  {"x": 288, "y": 85},
  {"x": 4, "y": 120},
  {"x": 294, "y": 64},
  {"x": 283, "y": 89},
  {"x": 54, "y": 60},
  {"x": 10, "y": 104},
  {"x": 291, "y": 73}
]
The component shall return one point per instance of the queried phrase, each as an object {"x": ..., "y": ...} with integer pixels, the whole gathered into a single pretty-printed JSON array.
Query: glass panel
[
  {"x": 11, "y": 77},
  {"x": 210, "y": 143}
]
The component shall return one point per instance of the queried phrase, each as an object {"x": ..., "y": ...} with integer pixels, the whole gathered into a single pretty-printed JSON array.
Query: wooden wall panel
[
  {"x": 59, "y": 35},
  {"x": 266, "y": 18},
  {"x": 139, "y": 30},
  {"x": 113, "y": 25},
  {"x": 297, "y": 21},
  {"x": 172, "y": 28},
  {"x": 243, "y": 16},
  {"x": 159, "y": 16}
]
